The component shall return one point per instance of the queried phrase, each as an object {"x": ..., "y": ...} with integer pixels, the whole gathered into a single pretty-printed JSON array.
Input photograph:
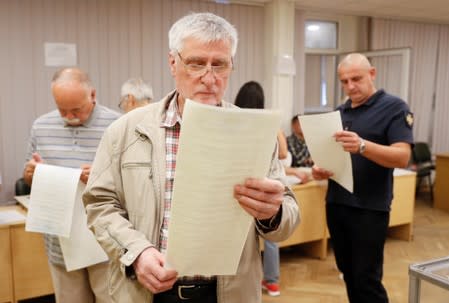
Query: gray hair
[
  {"x": 138, "y": 88},
  {"x": 71, "y": 74},
  {"x": 206, "y": 27}
]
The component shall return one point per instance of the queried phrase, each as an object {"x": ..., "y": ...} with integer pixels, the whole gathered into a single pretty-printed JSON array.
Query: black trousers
[
  {"x": 189, "y": 292},
  {"x": 358, "y": 239}
]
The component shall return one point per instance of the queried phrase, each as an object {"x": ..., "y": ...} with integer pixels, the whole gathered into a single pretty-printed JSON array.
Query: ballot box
[{"x": 430, "y": 274}]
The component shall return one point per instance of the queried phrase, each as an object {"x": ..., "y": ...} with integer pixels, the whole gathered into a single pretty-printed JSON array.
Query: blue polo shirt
[{"x": 383, "y": 119}]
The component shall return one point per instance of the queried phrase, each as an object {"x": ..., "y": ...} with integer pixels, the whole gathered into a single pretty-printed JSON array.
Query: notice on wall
[{"x": 60, "y": 54}]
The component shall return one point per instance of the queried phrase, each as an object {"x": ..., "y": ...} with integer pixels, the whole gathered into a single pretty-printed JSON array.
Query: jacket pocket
[
  {"x": 122, "y": 289},
  {"x": 139, "y": 193},
  {"x": 138, "y": 165}
]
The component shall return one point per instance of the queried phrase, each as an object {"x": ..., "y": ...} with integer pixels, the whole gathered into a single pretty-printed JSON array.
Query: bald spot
[
  {"x": 355, "y": 60},
  {"x": 70, "y": 75}
]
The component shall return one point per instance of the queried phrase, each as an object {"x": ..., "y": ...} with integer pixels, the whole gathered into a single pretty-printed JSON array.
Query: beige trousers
[{"x": 87, "y": 285}]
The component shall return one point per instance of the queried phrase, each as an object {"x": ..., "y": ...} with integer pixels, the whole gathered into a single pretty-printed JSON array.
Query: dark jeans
[
  {"x": 195, "y": 292},
  {"x": 358, "y": 239}
]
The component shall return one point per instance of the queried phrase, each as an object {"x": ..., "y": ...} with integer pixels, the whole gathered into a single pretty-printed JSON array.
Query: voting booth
[{"x": 432, "y": 273}]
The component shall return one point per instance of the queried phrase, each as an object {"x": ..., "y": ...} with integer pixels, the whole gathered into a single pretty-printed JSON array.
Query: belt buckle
[{"x": 180, "y": 288}]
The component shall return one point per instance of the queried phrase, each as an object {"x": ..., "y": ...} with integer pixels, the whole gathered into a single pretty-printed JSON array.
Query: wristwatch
[{"x": 362, "y": 146}]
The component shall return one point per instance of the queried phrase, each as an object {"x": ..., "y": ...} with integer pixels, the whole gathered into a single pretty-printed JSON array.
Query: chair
[
  {"x": 422, "y": 160},
  {"x": 22, "y": 188}
]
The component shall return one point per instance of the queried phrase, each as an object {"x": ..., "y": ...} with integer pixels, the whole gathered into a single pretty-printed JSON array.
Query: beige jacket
[{"x": 124, "y": 204}]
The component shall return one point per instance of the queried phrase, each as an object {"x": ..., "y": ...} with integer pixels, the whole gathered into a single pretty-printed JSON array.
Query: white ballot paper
[
  {"x": 53, "y": 193},
  {"x": 81, "y": 249},
  {"x": 218, "y": 148},
  {"x": 11, "y": 216},
  {"x": 325, "y": 151},
  {"x": 23, "y": 200}
]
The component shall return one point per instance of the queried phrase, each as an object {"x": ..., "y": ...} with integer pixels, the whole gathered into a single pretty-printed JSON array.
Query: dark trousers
[
  {"x": 189, "y": 292},
  {"x": 358, "y": 239}
]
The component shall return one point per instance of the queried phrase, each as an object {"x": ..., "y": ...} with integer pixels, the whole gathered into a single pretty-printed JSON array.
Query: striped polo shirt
[{"x": 68, "y": 146}]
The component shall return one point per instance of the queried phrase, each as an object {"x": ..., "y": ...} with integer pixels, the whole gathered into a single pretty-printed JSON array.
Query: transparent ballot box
[{"x": 428, "y": 279}]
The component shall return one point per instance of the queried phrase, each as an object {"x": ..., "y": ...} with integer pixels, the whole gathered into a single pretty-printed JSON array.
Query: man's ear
[
  {"x": 93, "y": 95},
  {"x": 172, "y": 64},
  {"x": 373, "y": 72},
  {"x": 131, "y": 101}
]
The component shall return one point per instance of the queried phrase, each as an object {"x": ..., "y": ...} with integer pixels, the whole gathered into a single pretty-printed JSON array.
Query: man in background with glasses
[
  {"x": 69, "y": 137},
  {"x": 128, "y": 199},
  {"x": 135, "y": 93}
]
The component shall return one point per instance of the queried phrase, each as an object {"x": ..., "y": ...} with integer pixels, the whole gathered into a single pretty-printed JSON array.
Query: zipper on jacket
[
  {"x": 136, "y": 164},
  {"x": 143, "y": 135}
]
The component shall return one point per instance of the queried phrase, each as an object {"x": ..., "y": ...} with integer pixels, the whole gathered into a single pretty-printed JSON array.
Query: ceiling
[{"x": 434, "y": 11}]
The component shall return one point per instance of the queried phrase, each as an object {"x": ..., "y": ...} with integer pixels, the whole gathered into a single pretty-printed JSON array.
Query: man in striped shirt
[{"x": 69, "y": 137}]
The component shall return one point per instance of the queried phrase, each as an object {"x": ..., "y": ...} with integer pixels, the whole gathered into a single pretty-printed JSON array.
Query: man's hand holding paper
[
  {"x": 350, "y": 141},
  {"x": 150, "y": 271},
  {"x": 261, "y": 198}
]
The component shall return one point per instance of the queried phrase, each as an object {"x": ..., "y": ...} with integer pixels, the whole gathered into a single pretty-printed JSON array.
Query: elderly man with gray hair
[
  {"x": 128, "y": 198},
  {"x": 135, "y": 93}
]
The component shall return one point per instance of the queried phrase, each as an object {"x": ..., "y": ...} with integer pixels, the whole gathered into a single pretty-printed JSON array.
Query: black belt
[{"x": 184, "y": 291}]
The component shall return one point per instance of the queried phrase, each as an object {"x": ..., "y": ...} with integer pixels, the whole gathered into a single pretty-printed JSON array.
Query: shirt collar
[
  {"x": 369, "y": 102},
  {"x": 171, "y": 113},
  {"x": 93, "y": 115}
]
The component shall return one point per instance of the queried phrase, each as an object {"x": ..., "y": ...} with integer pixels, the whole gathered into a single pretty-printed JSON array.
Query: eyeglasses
[{"x": 198, "y": 69}]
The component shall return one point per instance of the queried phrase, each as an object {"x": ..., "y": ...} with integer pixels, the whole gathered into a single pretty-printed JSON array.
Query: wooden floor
[{"x": 306, "y": 280}]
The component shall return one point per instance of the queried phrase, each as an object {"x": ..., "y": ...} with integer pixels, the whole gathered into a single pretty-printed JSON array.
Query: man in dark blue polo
[{"x": 378, "y": 134}]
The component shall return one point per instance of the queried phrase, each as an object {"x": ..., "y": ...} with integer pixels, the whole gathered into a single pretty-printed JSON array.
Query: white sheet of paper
[
  {"x": 403, "y": 172},
  {"x": 11, "y": 216},
  {"x": 218, "y": 148},
  {"x": 81, "y": 249},
  {"x": 326, "y": 153},
  {"x": 24, "y": 200},
  {"x": 53, "y": 193}
]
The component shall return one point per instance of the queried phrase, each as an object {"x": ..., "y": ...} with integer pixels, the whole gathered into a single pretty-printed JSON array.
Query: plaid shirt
[
  {"x": 172, "y": 125},
  {"x": 300, "y": 153}
]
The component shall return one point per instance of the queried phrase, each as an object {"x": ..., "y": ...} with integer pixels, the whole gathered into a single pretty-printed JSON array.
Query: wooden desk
[
  {"x": 441, "y": 188},
  {"x": 6, "y": 292},
  {"x": 24, "y": 274},
  {"x": 312, "y": 232},
  {"x": 403, "y": 205}
]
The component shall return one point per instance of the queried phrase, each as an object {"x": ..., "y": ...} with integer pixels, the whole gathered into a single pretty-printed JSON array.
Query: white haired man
[
  {"x": 128, "y": 199},
  {"x": 135, "y": 93}
]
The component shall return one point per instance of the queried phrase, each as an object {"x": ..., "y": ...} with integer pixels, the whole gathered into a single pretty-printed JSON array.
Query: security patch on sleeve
[{"x": 409, "y": 119}]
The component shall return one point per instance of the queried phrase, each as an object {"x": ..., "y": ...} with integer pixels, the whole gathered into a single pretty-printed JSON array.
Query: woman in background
[{"x": 251, "y": 95}]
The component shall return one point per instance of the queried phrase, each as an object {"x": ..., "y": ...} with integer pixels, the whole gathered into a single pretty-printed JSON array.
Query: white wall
[
  {"x": 352, "y": 35},
  {"x": 116, "y": 39}
]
